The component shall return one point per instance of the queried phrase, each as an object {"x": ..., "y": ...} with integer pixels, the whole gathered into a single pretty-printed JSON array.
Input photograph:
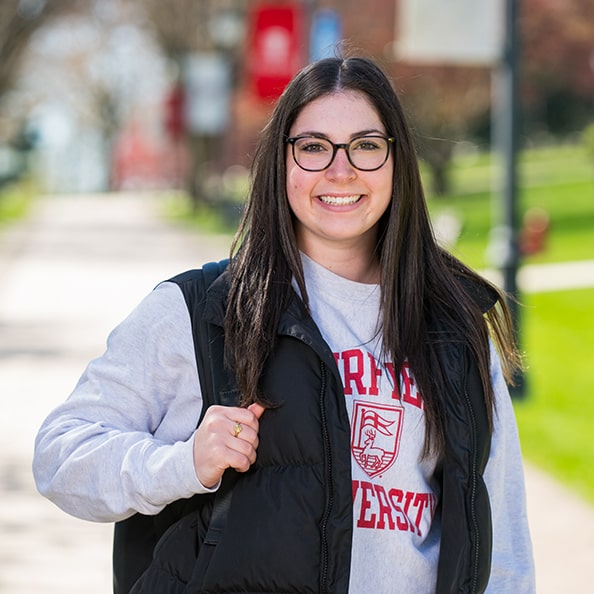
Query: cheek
[
  {"x": 295, "y": 184},
  {"x": 388, "y": 185}
]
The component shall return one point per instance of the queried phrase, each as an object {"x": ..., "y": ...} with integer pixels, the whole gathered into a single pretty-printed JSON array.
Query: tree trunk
[{"x": 437, "y": 153}]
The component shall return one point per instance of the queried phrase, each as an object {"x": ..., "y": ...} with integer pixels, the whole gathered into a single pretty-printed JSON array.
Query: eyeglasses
[{"x": 366, "y": 153}]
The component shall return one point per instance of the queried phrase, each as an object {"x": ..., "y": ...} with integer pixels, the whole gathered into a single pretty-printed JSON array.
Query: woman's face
[{"x": 340, "y": 206}]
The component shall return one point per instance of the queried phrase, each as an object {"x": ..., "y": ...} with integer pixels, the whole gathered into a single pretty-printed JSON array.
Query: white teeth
[{"x": 340, "y": 200}]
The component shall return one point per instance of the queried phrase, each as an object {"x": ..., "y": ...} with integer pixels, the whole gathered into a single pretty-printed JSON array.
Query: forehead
[{"x": 343, "y": 112}]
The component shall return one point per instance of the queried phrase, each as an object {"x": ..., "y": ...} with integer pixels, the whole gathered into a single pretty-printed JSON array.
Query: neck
[{"x": 361, "y": 267}]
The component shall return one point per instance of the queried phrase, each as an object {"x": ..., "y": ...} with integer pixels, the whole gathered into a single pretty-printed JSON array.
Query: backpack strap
[
  {"x": 208, "y": 339},
  {"x": 209, "y": 349},
  {"x": 136, "y": 537}
]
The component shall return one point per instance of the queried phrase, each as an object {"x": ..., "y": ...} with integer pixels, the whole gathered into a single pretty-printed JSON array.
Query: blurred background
[
  {"x": 134, "y": 121},
  {"x": 149, "y": 95}
]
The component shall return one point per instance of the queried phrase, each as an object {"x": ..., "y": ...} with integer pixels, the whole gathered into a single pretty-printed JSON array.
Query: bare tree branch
[{"x": 19, "y": 19}]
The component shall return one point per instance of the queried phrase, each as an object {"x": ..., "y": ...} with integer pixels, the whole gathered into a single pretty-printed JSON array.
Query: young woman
[{"x": 373, "y": 435}]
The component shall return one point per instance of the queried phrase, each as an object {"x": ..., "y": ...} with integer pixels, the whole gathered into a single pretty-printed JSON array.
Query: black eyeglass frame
[{"x": 341, "y": 145}]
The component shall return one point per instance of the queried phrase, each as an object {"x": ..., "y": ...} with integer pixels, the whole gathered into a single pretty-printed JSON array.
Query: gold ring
[{"x": 237, "y": 429}]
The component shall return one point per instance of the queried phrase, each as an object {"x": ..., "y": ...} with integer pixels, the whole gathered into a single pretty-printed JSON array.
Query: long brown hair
[{"x": 423, "y": 287}]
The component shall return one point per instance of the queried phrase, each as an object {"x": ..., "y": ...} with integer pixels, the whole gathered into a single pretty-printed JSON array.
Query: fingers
[
  {"x": 227, "y": 437},
  {"x": 256, "y": 409},
  {"x": 246, "y": 417}
]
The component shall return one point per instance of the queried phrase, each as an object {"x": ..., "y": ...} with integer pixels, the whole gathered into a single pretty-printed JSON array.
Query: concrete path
[
  {"x": 538, "y": 278},
  {"x": 69, "y": 274}
]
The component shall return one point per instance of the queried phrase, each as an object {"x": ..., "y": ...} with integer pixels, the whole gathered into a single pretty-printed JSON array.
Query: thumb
[{"x": 257, "y": 409}]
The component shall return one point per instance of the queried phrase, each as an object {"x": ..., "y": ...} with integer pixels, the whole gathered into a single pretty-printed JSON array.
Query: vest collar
[{"x": 295, "y": 320}]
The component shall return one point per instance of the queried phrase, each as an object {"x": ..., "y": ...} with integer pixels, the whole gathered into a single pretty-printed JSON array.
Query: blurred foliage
[
  {"x": 15, "y": 200},
  {"x": 19, "y": 19}
]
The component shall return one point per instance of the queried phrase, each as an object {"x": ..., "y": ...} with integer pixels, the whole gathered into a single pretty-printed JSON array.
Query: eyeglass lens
[{"x": 366, "y": 153}]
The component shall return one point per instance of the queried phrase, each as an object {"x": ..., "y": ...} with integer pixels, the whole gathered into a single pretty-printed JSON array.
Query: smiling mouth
[{"x": 340, "y": 200}]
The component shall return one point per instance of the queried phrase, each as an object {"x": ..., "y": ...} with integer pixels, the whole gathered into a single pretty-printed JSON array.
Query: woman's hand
[{"x": 227, "y": 437}]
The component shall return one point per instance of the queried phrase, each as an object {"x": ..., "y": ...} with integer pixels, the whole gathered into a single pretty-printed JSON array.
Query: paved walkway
[
  {"x": 537, "y": 278},
  {"x": 70, "y": 273}
]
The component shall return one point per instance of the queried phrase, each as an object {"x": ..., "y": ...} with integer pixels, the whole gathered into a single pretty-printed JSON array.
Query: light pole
[{"x": 508, "y": 135}]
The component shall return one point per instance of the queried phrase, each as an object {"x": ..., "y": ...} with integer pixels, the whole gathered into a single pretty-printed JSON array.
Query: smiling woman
[
  {"x": 358, "y": 450},
  {"x": 337, "y": 203}
]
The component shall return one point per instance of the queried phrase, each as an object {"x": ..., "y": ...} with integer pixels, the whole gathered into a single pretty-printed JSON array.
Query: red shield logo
[{"x": 375, "y": 438}]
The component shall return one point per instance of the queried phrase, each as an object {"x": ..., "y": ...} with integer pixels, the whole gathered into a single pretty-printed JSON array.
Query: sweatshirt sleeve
[
  {"x": 123, "y": 441},
  {"x": 512, "y": 568}
]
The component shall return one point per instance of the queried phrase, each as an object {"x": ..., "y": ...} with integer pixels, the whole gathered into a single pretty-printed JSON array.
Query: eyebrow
[{"x": 369, "y": 132}]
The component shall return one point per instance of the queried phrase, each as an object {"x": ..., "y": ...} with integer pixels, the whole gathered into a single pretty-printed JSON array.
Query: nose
[{"x": 341, "y": 167}]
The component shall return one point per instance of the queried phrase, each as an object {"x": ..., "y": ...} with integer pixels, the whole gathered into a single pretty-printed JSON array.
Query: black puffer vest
[{"x": 290, "y": 518}]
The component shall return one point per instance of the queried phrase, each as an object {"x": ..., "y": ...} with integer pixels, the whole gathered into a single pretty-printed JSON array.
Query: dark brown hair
[{"x": 424, "y": 294}]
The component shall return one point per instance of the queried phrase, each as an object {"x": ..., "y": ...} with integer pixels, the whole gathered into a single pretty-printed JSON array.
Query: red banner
[{"x": 275, "y": 47}]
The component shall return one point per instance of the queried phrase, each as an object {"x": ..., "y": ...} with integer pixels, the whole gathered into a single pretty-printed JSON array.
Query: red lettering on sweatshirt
[
  {"x": 353, "y": 370},
  {"x": 395, "y": 497},
  {"x": 396, "y": 510},
  {"x": 360, "y": 376},
  {"x": 375, "y": 372},
  {"x": 385, "y": 510},
  {"x": 366, "y": 520}
]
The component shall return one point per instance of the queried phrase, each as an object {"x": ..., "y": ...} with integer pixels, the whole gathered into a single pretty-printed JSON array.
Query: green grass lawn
[
  {"x": 559, "y": 181},
  {"x": 556, "y": 419}
]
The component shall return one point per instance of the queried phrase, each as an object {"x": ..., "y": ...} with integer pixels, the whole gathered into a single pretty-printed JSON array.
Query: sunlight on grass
[
  {"x": 556, "y": 420},
  {"x": 559, "y": 180}
]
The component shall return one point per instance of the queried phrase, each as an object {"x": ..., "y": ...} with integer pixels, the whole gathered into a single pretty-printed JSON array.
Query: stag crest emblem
[{"x": 375, "y": 436}]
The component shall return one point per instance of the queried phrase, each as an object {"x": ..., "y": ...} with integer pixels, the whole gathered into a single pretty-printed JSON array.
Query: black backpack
[{"x": 135, "y": 538}]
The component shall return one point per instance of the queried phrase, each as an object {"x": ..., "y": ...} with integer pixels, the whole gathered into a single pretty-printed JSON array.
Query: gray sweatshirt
[{"x": 123, "y": 441}]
